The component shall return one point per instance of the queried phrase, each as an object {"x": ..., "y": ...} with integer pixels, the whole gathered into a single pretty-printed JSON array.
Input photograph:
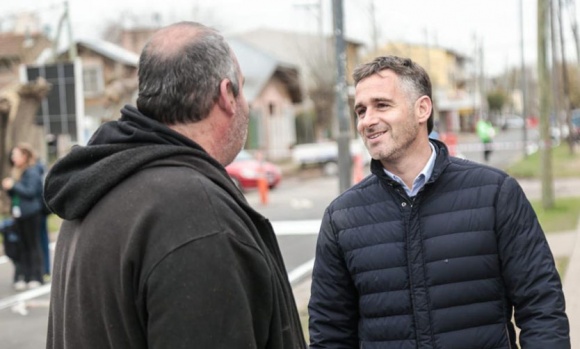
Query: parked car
[
  {"x": 245, "y": 171},
  {"x": 325, "y": 155},
  {"x": 512, "y": 122}
]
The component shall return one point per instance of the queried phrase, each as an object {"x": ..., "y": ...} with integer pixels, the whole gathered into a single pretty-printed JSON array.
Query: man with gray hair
[
  {"x": 429, "y": 251},
  {"x": 158, "y": 247}
]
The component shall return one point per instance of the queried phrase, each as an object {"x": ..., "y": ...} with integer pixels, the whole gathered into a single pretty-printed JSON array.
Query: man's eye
[
  {"x": 382, "y": 105},
  {"x": 360, "y": 113}
]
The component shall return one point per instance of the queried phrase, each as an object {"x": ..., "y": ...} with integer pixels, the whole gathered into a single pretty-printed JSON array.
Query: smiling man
[{"x": 429, "y": 251}]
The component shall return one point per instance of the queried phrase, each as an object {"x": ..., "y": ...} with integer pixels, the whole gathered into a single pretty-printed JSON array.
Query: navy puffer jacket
[{"x": 444, "y": 270}]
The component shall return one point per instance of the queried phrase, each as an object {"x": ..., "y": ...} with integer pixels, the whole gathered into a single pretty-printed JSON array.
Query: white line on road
[
  {"x": 24, "y": 296},
  {"x": 301, "y": 271},
  {"x": 305, "y": 227}
]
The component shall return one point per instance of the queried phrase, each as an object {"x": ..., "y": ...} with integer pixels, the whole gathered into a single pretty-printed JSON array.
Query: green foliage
[
  {"x": 496, "y": 100},
  {"x": 564, "y": 164},
  {"x": 305, "y": 127}
]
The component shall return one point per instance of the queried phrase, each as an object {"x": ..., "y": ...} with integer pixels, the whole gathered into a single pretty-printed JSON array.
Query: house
[
  {"x": 132, "y": 39},
  {"x": 17, "y": 49},
  {"x": 19, "y": 102},
  {"x": 109, "y": 80},
  {"x": 455, "y": 102},
  {"x": 109, "y": 77},
  {"x": 272, "y": 89},
  {"x": 313, "y": 55}
]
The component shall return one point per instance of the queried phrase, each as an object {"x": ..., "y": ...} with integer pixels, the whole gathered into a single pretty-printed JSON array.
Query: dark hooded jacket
[
  {"x": 159, "y": 249},
  {"x": 444, "y": 270}
]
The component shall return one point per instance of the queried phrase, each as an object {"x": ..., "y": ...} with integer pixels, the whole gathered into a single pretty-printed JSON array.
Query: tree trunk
[
  {"x": 544, "y": 85},
  {"x": 565, "y": 80},
  {"x": 24, "y": 127}
]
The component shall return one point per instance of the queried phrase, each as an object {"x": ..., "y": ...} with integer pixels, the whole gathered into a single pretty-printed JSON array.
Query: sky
[{"x": 461, "y": 26}]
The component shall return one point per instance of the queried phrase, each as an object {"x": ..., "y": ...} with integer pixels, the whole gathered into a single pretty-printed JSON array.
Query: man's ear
[
  {"x": 226, "y": 99},
  {"x": 423, "y": 107}
]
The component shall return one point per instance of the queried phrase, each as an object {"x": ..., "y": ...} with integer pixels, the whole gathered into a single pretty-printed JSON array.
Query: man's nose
[{"x": 369, "y": 120}]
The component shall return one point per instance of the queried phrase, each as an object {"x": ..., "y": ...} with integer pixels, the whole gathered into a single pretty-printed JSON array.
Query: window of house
[
  {"x": 93, "y": 84},
  {"x": 271, "y": 109}
]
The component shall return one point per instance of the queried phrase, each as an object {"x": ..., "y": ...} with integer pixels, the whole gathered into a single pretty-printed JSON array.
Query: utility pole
[
  {"x": 574, "y": 26},
  {"x": 565, "y": 78},
  {"x": 375, "y": 31},
  {"x": 524, "y": 83},
  {"x": 72, "y": 49},
  {"x": 544, "y": 89},
  {"x": 482, "y": 84},
  {"x": 477, "y": 115},
  {"x": 344, "y": 158},
  {"x": 556, "y": 95}
]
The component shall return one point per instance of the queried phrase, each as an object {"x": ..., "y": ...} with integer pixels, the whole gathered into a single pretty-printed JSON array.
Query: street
[{"x": 294, "y": 208}]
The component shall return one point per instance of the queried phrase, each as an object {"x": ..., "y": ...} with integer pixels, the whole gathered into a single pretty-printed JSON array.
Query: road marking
[
  {"x": 301, "y": 204},
  {"x": 301, "y": 271},
  {"x": 305, "y": 227},
  {"x": 24, "y": 296}
]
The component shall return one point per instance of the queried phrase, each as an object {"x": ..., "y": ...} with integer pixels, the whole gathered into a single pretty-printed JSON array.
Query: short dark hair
[
  {"x": 413, "y": 77},
  {"x": 182, "y": 88}
]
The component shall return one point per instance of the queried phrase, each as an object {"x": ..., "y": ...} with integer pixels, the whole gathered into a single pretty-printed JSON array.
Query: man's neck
[{"x": 411, "y": 164}]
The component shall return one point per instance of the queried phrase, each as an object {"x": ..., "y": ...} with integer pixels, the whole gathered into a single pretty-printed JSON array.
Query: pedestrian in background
[
  {"x": 43, "y": 230},
  {"x": 24, "y": 187},
  {"x": 429, "y": 251},
  {"x": 158, "y": 247},
  {"x": 486, "y": 132}
]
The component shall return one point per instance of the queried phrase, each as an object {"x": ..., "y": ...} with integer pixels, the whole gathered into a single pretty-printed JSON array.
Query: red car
[{"x": 245, "y": 171}]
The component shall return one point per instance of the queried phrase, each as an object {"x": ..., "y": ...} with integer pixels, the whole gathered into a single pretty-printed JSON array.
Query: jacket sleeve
[
  {"x": 29, "y": 186},
  {"x": 529, "y": 272},
  {"x": 333, "y": 306},
  {"x": 213, "y": 292}
]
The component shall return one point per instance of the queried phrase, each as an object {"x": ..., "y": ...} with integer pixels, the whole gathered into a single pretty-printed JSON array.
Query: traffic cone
[{"x": 263, "y": 187}]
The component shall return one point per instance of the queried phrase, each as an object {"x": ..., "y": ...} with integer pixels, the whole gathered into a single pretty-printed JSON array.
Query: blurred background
[{"x": 68, "y": 66}]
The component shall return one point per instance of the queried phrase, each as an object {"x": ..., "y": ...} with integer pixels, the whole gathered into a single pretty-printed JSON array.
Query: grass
[
  {"x": 564, "y": 164},
  {"x": 562, "y": 217},
  {"x": 54, "y": 223},
  {"x": 561, "y": 265}
]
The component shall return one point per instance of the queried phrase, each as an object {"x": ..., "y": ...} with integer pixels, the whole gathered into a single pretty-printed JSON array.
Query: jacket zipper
[{"x": 507, "y": 333}]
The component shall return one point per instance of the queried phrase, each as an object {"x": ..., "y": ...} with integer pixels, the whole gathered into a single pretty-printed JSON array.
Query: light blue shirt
[{"x": 421, "y": 179}]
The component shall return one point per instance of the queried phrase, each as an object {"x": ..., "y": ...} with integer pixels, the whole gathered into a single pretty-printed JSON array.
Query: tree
[
  {"x": 18, "y": 123},
  {"x": 545, "y": 104},
  {"x": 496, "y": 100}
]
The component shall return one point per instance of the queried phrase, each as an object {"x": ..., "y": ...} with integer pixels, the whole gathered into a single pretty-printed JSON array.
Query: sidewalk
[{"x": 565, "y": 244}]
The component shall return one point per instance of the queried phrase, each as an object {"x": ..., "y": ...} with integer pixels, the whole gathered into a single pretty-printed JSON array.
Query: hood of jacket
[{"x": 115, "y": 151}]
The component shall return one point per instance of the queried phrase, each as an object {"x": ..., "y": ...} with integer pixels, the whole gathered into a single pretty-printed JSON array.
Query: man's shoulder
[{"x": 359, "y": 194}]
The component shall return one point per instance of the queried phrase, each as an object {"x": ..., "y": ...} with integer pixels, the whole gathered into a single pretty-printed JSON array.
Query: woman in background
[{"x": 24, "y": 187}]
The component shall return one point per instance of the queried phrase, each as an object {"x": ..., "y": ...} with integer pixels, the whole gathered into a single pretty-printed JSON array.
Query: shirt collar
[{"x": 422, "y": 178}]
